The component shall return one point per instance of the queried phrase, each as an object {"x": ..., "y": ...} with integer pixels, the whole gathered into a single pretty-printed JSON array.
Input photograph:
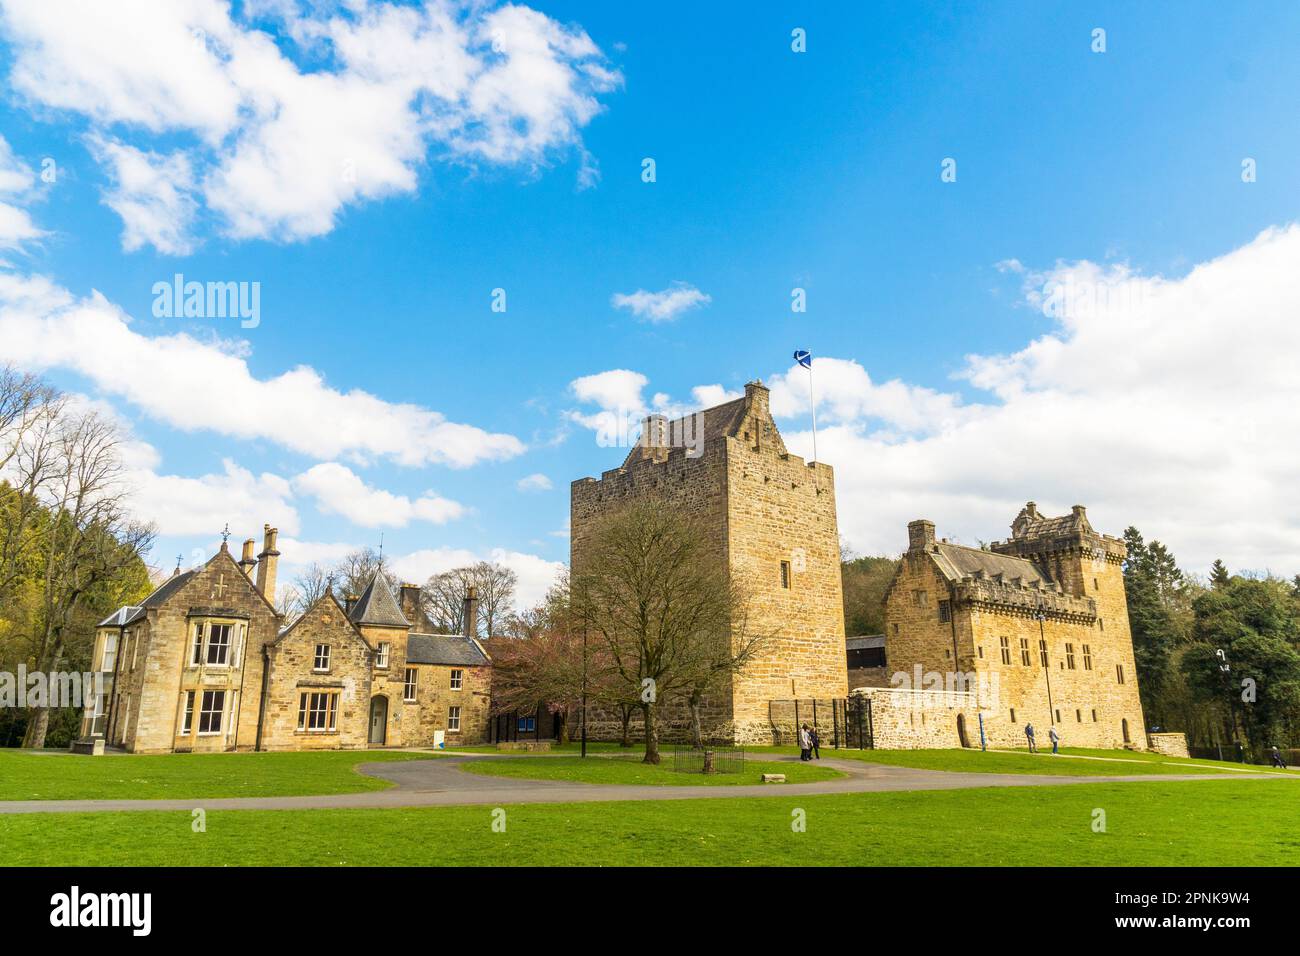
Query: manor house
[{"x": 205, "y": 663}]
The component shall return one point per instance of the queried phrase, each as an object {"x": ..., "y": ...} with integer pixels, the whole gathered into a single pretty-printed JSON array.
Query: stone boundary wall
[
  {"x": 919, "y": 720},
  {"x": 1171, "y": 745}
]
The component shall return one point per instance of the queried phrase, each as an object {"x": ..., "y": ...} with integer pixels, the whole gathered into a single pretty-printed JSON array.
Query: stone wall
[
  {"x": 918, "y": 720},
  {"x": 1171, "y": 745},
  {"x": 292, "y": 673}
]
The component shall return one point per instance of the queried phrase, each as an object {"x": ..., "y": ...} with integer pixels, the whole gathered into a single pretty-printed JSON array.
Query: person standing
[
  {"x": 814, "y": 741},
  {"x": 805, "y": 743},
  {"x": 1029, "y": 735},
  {"x": 1055, "y": 738}
]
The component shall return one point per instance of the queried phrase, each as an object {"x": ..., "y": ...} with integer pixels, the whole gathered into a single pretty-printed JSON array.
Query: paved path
[{"x": 441, "y": 782}]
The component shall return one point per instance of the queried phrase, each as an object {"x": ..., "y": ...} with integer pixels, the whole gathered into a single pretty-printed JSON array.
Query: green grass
[
  {"x": 1149, "y": 823},
  {"x": 62, "y": 776},
  {"x": 630, "y": 770},
  {"x": 1042, "y": 764}
]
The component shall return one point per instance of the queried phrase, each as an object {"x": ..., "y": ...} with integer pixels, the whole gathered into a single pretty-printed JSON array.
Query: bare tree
[
  {"x": 355, "y": 571},
  {"x": 28, "y": 410},
  {"x": 444, "y": 597},
  {"x": 87, "y": 536},
  {"x": 309, "y": 587},
  {"x": 655, "y": 593}
]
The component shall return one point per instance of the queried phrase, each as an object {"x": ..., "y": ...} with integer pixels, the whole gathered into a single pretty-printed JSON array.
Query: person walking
[
  {"x": 1275, "y": 758},
  {"x": 805, "y": 743},
  {"x": 815, "y": 742},
  {"x": 1029, "y": 735},
  {"x": 1055, "y": 738}
]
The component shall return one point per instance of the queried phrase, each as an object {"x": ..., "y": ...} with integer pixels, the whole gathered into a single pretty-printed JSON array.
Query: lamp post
[{"x": 584, "y": 690}]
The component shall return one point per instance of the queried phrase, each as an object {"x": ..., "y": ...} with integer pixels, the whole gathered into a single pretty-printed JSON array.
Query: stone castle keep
[{"x": 773, "y": 519}]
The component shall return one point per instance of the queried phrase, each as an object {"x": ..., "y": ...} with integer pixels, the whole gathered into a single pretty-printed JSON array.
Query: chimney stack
[
  {"x": 470, "y": 627},
  {"x": 920, "y": 535},
  {"x": 267, "y": 562},
  {"x": 247, "y": 561},
  {"x": 410, "y": 603},
  {"x": 349, "y": 602}
]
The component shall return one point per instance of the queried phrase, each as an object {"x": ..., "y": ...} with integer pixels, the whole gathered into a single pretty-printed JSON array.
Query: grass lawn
[
  {"x": 630, "y": 770},
  {"x": 62, "y": 776},
  {"x": 1044, "y": 764},
  {"x": 1149, "y": 823}
]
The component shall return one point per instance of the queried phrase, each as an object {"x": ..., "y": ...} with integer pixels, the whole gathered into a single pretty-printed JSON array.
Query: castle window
[
  {"x": 1101, "y": 624},
  {"x": 1013, "y": 715},
  {"x": 1119, "y": 673},
  {"x": 218, "y": 644},
  {"x": 1006, "y": 649},
  {"x": 1087, "y": 657},
  {"x": 187, "y": 718},
  {"x": 453, "y": 720},
  {"x": 1069, "y": 656},
  {"x": 1025, "y": 659},
  {"x": 317, "y": 712},
  {"x": 919, "y": 598},
  {"x": 457, "y": 679},
  {"x": 1078, "y": 716},
  {"x": 322, "y": 659},
  {"x": 1095, "y": 585},
  {"x": 785, "y": 574},
  {"x": 381, "y": 655},
  {"x": 1042, "y": 652},
  {"x": 981, "y": 650},
  {"x": 210, "y": 713},
  {"x": 1094, "y": 715},
  {"x": 1058, "y": 716},
  {"x": 408, "y": 691},
  {"x": 895, "y": 630},
  {"x": 945, "y": 612}
]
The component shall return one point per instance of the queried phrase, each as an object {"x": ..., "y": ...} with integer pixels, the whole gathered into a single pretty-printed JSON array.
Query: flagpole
[{"x": 812, "y": 400}]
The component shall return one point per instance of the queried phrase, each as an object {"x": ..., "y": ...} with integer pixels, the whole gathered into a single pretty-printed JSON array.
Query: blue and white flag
[{"x": 803, "y": 357}]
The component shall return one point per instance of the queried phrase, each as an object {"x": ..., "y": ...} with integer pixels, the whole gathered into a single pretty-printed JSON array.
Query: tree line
[{"x": 70, "y": 550}]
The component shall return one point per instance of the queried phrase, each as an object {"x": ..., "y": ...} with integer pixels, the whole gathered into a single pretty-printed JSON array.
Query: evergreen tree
[{"x": 1219, "y": 576}]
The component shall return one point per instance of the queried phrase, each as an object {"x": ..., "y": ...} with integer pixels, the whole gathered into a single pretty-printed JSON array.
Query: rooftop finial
[{"x": 225, "y": 534}]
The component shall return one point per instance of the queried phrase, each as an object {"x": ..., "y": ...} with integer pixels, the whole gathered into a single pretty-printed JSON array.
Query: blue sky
[{"x": 775, "y": 170}]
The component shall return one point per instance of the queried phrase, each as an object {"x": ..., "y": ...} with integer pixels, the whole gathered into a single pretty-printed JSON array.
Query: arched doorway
[
  {"x": 1124, "y": 727},
  {"x": 961, "y": 730},
  {"x": 379, "y": 720}
]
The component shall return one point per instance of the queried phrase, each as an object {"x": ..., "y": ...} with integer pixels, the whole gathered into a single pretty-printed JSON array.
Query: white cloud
[
  {"x": 707, "y": 396},
  {"x": 619, "y": 396},
  {"x": 1168, "y": 403},
  {"x": 16, "y": 181},
  {"x": 283, "y": 135},
  {"x": 152, "y": 193},
  {"x": 534, "y": 482},
  {"x": 339, "y": 490},
  {"x": 194, "y": 385},
  {"x": 204, "y": 505},
  {"x": 536, "y": 574},
  {"x": 662, "y": 306}
]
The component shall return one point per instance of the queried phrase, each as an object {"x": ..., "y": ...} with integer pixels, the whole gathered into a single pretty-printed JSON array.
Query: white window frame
[
  {"x": 410, "y": 685},
  {"x": 224, "y": 646},
  {"x": 108, "y": 656},
  {"x": 453, "y": 719},
  {"x": 196, "y": 657},
  {"x": 382, "y": 652},
  {"x": 135, "y": 647},
  {"x": 318, "y": 712},
  {"x": 457, "y": 678},
  {"x": 320, "y": 662},
  {"x": 187, "y": 713},
  {"x": 206, "y": 712}
]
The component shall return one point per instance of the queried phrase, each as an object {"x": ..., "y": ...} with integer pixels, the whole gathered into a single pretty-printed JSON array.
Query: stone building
[
  {"x": 1038, "y": 623},
  {"x": 773, "y": 524},
  {"x": 205, "y": 664}
]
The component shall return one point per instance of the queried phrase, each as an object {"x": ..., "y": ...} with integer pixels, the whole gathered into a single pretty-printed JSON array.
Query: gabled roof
[
  {"x": 327, "y": 597},
  {"x": 169, "y": 587},
  {"x": 957, "y": 562},
  {"x": 378, "y": 606},
  {"x": 454, "y": 649},
  {"x": 123, "y": 616}
]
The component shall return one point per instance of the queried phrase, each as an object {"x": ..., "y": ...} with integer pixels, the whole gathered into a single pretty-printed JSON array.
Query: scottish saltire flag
[{"x": 803, "y": 357}]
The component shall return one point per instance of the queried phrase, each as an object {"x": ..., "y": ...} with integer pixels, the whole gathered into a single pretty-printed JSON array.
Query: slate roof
[
  {"x": 123, "y": 616},
  {"x": 453, "y": 649},
  {"x": 957, "y": 562},
  {"x": 378, "y": 606},
  {"x": 720, "y": 421},
  {"x": 169, "y": 587},
  {"x": 863, "y": 642}
]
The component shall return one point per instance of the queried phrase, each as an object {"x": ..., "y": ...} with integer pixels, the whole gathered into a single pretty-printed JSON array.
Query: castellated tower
[{"x": 771, "y": 519}]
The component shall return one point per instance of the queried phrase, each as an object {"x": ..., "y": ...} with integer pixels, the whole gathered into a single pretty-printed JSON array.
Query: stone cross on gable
[{"x": 219, "y": 589}]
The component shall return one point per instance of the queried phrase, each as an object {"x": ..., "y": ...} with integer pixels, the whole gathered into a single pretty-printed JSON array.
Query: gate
[{"x": 840, "y": 722}]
